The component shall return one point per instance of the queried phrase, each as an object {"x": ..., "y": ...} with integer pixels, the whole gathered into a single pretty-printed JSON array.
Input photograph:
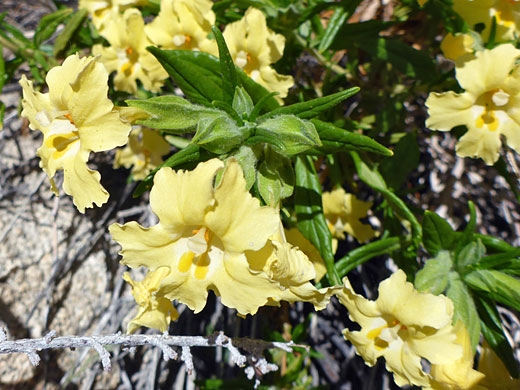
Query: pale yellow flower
[
  {"x": 458, "y": 47},
  {"x": 76, "y": 118},
  {"x": 184, "y": 25},
  {"x": 215, "y": 237},
  {"x": 102, "y": 11},
  {"x": 127, "y": 54},
  {"x": 497, "y": 376},
  {"x": 143, "y": 153},
  {"x": 155, "y": 311},
  {"x": 343, "y": 213},
  {"x": 506, "y": 12},
  {"x": 254, "y": 47},
  {"x": 488, "y": 107},
  {"x": 458, "y": 375},
  {"x": 294, "y": 237},
  {"x": 403, "y": 326}
]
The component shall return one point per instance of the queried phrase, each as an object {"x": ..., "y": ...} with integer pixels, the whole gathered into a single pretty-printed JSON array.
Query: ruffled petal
[
  {"x": 82, "y": 183},
  {"x": 238, "y": 219},
  {"x": 448, "y": 110},
  {"x": 480, "y": 143}
]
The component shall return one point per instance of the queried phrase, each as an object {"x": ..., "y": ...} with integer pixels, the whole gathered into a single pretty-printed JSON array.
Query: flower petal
[
  {"x": 82, "y": 183},
  {"x": 480, "y": 143},
  {"x": 175, "y": 205},
  {"x": 238, "y": 219},
  {"x": 448, "y": 110}
]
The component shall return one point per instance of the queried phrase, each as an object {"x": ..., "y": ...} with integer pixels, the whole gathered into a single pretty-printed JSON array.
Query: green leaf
[
  {"x": 351, "y": 32},
  {"x": 499, "y": 260},
  {"x": 497, "y": 285},
  {"x": 395, "y": 169},
  {"x": 227, "y": 67},
  {"x": 433, "y": 277},
  {"x": 247, "y": 159},
  {"x": 3, "y": 74},
  {"x": 295, "y": 134},
  {"x": 336, "y": 139},
  {"x": 437, "y": 233},
  {"x": 374, "y": 179},
  {"x": 366, "y": 252},
  {"x": 173, "y": 114},
  {"x": 218, "y": 135},
  {"x": 2, "y": 112},
  {"x": 314, "y": 107},
  {"x": 198, "y": 83},
  {"x": 211, "y": 65},
  {"x": 309, "y": 213},
  {"x": 406, "y": 59},
  {"x": 189, "y": 155},
  {"x": 242, "y": 103},
  {"x": 275, "y": 178},
  {"x": 65, "y": 36},
  {"x": 465, "y": 308},
  {"x": 493, "y": 332},
  {"x": 494, "y": 244},
  {"x": 469, "y": 255},
  {"x": 16, "y": 36},
  {"x": 48, "y": 25},
  {"x": 337, "y": 20},
  {"x": 510, "y": 178}
]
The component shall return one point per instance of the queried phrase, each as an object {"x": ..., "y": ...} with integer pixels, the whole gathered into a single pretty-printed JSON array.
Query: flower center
[
  {"x": 386, "y": 333},
  {"x": 129, "y": 59},
  {"x": 505, "y": 12},
  {"x": 63, "y": 135},
  {"x": 246, "y": 62},
  {"x": 183, "y": 41},
  {"x": 492, "y": 102},
  {"x": 197, "y": 254}
]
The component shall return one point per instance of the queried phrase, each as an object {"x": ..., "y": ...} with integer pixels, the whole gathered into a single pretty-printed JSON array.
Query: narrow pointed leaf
[
  {"x": 64, "y": 37},
  {"x": 336, "y": 139},
  {"x": 227, "y": 67},
  {"x": 309, "y": 212},
  {"x": 48, "y": 25},
  {"x": 199, "y": 84},
  {"x": 497, "y": 285},
  {"x": 314, "y": 107},
  {"x": 173, "y": 114},
  {"x": 492, "y": 330},
  {"x": 337, "y": 20},
  {"x": 211, "y": 64}
]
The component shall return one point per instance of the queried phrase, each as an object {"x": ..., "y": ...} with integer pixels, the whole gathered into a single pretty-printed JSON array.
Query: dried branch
[{"x": 254, "y": 347}]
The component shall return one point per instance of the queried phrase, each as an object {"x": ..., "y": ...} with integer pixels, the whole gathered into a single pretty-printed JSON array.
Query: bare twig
[{"x": 165, "y": 342}]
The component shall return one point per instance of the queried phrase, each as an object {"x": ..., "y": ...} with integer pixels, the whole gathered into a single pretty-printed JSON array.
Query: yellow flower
[
  {"x": 143, "y": 153},
  {"x": 294, "y": 237},
  {"x": 460, "y": 374},
  {"x": 497, "y": 376},
  {"x": 343, "y": 212},
  {"x": 127, "y": 54},
  {"x": 102, "y": 11},
  {"x": 155, "y": 311},
  {"x": 403, "y": 326},
  {"x": 506, "y": 12},
  {"x": 76, "y": 118},
  {"x": 215, "y": 238},
  {"x": 254, "y": 47},
  {"x": 422, "y": 2},
  {"x": 184, "y": 25},
  {"x": 458, "y": 48},
  {"x": 488, "y": 107}
]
